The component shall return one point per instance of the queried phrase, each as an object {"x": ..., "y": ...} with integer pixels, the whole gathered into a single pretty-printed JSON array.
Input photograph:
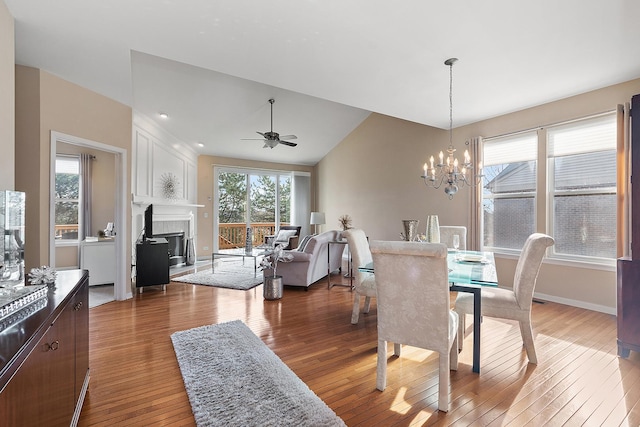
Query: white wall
[
  {"x": 374, "y": 176},
  {"x": 156, "y": 153}
]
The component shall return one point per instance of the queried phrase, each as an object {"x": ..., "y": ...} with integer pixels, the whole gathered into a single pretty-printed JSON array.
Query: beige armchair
[
  {"x": 514, "y": 304},
  {"x": 413, "y": 306},
  {"x": 448, "y": 231},
  {"x": 364, "y": 284}
]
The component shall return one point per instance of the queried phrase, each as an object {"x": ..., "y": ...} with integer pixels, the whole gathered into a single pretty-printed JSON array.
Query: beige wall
[
  {"x": 373, "y": 175},
  {"x": 7, "y": 99},
  {"x": 46, "y": 103},
  {"x": 205, "y": 192}
]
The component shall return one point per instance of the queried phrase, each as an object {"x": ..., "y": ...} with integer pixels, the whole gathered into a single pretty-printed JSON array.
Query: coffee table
[{"x": 239, "y": 252}]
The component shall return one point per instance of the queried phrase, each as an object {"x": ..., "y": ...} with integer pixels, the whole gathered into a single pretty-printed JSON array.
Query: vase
[
  {"x": 272, "y": 288},
  {"x": 410, "y": 229},
  {"x": 189, "y": 252},
  {"x": 433, "y": 229}
]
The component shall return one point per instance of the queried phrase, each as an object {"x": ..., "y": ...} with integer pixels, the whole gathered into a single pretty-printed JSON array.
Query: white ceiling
[{"x": 212, "y": 65}]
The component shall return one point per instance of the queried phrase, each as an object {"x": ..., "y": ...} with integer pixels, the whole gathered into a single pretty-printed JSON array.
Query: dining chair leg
[
  {"x": 381, "y": 370},
  {"x": 367, "y": 304},
  {"x": 355, "y": 313},
  {"x": 527, "y": 337},
  {"x": 443, "y": 382},
  {"x": 461, "y": 328}
]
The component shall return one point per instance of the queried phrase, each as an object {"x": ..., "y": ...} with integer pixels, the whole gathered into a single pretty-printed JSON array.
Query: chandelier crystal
[{"x": 451, "y": 172}]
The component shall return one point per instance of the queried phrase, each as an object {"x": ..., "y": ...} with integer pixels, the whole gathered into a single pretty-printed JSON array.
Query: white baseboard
[{"x": 576, "y": 303}]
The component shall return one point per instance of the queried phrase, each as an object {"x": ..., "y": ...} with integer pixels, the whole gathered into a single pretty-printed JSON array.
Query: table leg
[{"x": 477, "y": 318}]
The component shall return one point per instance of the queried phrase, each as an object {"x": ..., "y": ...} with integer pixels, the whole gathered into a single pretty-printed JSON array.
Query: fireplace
[{"x": 176, "y": 247}]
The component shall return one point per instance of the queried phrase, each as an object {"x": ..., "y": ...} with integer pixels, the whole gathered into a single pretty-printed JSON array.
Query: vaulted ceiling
[{"x": 212, "y": 65}]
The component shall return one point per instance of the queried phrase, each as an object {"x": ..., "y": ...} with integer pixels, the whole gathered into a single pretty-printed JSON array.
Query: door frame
[{"x": 121, "y": 290}]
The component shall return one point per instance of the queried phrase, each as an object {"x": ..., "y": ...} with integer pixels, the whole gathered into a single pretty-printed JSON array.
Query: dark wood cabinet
[
  {"x": 46, "y": 378},
  {"x": 152, "y": 263},
  {"x": 629, "y": 267}
]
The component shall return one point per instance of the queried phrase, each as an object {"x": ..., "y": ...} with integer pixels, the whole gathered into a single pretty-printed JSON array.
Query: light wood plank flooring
[{"x": 579, "y": 380}]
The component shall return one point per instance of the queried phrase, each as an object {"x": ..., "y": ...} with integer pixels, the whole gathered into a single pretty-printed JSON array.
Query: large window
[
  {"x": 578, "y": 201},
  {"x": 261, "y": 200},
  {"x": 67, "y": 187},
  {"x": 509, "y": 190},
  {"x": 582, "y": 183}
]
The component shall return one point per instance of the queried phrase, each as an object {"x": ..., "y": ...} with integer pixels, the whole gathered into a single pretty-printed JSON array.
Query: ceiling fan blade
[
  {"x": 252, "y": 139},
  {"x": 288, "y": 137},
  {"x": 262, "y": 134},
  {"x": 290, "y": 144}
]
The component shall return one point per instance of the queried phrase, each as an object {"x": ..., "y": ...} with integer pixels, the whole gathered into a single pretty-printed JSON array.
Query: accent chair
[
  {"x": 413, "y": 306},
  {"x": 513, "y": 304},
  {"x": 448, "y": 231},
  {"x": 364, "y": 284}
]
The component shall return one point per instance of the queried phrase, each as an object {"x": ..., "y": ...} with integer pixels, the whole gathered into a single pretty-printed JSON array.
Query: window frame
[
  {"x": 76, "y": 241},
  {"x": 544, "y": 200},
  {"x": 552, "y": 193}
]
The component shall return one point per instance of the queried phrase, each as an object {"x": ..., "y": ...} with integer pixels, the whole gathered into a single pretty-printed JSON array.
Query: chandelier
[{"x": 451, "y": 172}]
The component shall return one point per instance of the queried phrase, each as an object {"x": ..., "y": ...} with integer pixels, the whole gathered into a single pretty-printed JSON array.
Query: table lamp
[{"x": 317, "y": 218}]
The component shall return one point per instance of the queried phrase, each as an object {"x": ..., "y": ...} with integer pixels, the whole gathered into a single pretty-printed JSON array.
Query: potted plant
[{"x": 272, "y": 286}]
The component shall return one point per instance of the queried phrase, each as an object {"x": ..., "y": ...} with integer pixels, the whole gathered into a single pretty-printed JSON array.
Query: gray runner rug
[
  {"x": 227, "y": 275},
  {"x": 233, "y": 379}
]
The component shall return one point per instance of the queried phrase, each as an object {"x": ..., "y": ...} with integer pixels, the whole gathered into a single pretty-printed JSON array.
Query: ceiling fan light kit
[{"x": 271, "y": 138}]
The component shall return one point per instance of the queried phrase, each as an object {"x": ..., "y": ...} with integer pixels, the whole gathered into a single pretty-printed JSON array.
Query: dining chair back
[
  {"x": 514, "y": 303},
  {"x": 364, "y": 284},
  {"x": 413, "y": 306},
  {"x": 448, "y": 231}
]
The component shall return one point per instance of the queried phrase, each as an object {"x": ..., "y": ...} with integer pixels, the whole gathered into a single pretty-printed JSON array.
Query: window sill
[
  {"x": 609, "y": 265},
  {"x": 64, "y": 243}
]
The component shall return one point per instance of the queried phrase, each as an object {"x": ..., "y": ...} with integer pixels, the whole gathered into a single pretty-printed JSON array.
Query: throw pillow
[
  {"x": 304, "y": 242},
  {"x": 284, "y": 235}
]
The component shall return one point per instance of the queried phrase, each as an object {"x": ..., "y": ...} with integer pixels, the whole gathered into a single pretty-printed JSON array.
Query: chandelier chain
[{"x": 451, "y": 105}]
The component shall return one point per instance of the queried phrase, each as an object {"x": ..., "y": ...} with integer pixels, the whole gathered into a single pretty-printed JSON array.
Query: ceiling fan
[{"x": 271, "y": 138}]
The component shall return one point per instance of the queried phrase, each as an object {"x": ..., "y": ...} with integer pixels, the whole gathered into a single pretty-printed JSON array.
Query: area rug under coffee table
[
  {"x": 229, "y": 275},
  {"x": 233, "y": 379}
]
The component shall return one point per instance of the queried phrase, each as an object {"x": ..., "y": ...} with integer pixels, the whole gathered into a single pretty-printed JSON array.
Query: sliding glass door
[{"x": 258, "y": 200}]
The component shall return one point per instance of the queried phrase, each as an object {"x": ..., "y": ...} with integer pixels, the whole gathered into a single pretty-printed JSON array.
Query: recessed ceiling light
[
  {"x": 200, "y": 144},
  {"x": 164, "y": 116}
]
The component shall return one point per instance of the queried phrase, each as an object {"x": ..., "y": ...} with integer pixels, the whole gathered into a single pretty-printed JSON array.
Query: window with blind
[
  {"x": 509, "y": 190},
  {"x": 582, "y": 186},
  {"x": 579, "y": 197}
]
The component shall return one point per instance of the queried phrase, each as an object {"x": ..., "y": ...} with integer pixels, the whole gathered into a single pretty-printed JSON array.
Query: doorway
[{"x": 121, "y": 290}]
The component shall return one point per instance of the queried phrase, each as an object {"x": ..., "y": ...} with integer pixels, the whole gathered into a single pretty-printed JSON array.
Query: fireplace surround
[{"x": 176, "y": 247}]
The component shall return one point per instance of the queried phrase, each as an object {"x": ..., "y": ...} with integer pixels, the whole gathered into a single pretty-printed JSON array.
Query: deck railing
[
  {"x": 66, "y": 231},
  {"x": 233, "y": 235}
]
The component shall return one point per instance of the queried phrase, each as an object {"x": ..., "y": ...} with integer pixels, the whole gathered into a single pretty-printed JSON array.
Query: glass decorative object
[
  {"x": 12, "y": 230},
  {"x": 410, "y": 230},
  {"x": 433, "y": 229}
]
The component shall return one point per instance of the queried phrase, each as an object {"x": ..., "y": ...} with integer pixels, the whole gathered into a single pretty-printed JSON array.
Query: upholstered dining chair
[
  {"x": 513, "y": 304},
  {"x": 413, "y": 306},
  {"x": 448, "y": 231},
  {"x": 364, "y": 284}
]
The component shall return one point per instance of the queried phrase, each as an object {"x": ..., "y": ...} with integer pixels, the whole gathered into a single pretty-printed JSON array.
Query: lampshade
[{"x": 317, "y": 218}]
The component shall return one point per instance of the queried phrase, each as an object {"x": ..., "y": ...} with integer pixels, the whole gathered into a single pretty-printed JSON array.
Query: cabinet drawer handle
[
  {"x": 77, "y": 306},
  {"x": 53, "y": 346}
]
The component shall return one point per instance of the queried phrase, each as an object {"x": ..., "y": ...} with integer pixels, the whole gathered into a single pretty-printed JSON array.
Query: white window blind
[
  {"x": 511, "y": 149},
  {"x": 585, "y": 136}
]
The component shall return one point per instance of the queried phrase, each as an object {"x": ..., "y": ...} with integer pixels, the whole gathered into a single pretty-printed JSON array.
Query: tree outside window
[{"x": 67, "y": 194}]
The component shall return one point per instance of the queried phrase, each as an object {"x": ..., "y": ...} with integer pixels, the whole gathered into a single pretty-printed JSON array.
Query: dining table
[{"x": 469, "y": 271}]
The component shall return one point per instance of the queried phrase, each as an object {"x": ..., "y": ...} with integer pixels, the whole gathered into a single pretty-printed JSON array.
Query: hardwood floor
[{"x": 579, "y": 380}]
